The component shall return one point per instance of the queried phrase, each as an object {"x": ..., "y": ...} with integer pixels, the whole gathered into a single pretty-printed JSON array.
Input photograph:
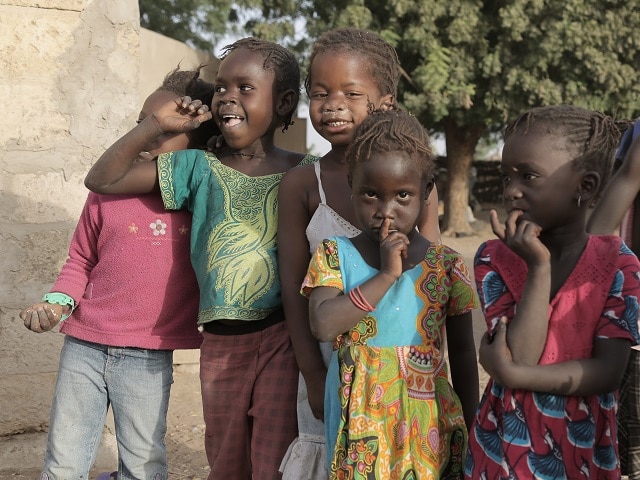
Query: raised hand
[
  {"x": 520, "y": 235},
  {"x": 180, "y": 115},
  {"x": 393, "y": 249}
]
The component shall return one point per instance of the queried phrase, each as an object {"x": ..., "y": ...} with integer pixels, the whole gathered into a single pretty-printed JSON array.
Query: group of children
[{"x": 357, "y": 234}]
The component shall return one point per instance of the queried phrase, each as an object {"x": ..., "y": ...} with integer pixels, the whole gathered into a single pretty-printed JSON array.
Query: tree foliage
[
  {"x": 202, "y": 23},
  {"x": 470, "y": 66},
  {"x": 199, "y": 23}
]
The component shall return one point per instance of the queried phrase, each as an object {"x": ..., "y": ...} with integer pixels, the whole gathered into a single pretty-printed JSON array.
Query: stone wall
[
  {"x": 73, "y": 74},
  {"x": 68, "y": 78}
]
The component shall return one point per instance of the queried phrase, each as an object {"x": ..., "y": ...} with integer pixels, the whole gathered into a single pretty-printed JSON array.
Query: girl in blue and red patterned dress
[{"x": 562, "y": 304}]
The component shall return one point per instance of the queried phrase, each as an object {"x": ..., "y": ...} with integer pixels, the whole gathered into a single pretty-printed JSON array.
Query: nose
[
  {"x": 511, "y": 191},
  {"x": 384, "y": 210},
  {"x": 227, "y": 98},
  {"x": 333, "y": 103}
]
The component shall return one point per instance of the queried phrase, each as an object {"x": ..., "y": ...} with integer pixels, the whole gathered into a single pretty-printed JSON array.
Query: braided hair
[
  {"x": 593, "y": 136},
  {"x": 278, "y": 60},
  {"x": 380, "y": 57},
  {"x": 392, "y": 131}
]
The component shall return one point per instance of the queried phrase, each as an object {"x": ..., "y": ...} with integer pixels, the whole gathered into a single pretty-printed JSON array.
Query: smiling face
[
  {"x": 540, "y": 179},
  {"x": 387, "y": 185},
  {"x": 244, "y": 100},
  {"x": 341, "y": 95},
  {"x": 167, "y": 142}
]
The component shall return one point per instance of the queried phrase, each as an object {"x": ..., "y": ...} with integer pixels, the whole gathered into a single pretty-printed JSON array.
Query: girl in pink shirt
[{"x": 128, "y": 297}]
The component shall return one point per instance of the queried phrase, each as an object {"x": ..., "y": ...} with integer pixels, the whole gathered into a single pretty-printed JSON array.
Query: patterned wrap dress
[
  {"x": 390, "y": 412},
  {"x": 520, "y": 434}
]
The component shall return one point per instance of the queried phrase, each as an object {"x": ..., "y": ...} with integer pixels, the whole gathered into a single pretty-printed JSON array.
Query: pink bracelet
[{"x": 359, "y": 301}]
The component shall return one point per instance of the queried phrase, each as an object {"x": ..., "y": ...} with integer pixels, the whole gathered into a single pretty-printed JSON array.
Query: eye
[
  {"x": 317, "y": 95},
  {"x": 245, "y": 88},
  {"x": 369, "y": 194},
  {"x": 404, "y": 195},
  {"x": 529, "y": 176},
  {"x": 219, "y": 89},
  {"x": 353, "y": 95}
]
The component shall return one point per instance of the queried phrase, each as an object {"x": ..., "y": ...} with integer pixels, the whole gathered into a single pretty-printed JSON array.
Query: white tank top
[{"x": 326, "y": 222}]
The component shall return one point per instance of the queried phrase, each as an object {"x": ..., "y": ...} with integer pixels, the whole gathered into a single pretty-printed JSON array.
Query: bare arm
[
  {"x": 117, "y": 172},
  {"x": 332, "y": 314},
  {"x": 602, "y": 373},
  {"x": 527, "y": 332},
  {"x": 293, "y": 260},
  {"x": 618, "y": 195},
  {"x": 463, "y": 362},
  {"x": 429, "y": 226}
]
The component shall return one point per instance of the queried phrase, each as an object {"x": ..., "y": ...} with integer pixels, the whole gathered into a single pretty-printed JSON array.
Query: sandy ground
[{"x": 185, "y": 433}]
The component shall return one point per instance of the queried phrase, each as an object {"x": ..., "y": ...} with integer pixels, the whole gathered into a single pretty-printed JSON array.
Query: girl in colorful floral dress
[{"x": 385, "y": 297}]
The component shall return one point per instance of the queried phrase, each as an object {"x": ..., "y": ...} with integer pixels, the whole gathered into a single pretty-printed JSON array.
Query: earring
[{"x": 579, "y": 200}]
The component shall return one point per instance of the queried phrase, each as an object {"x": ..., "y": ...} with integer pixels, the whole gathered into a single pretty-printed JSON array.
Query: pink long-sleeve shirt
[{"x": 130, "y": 276}]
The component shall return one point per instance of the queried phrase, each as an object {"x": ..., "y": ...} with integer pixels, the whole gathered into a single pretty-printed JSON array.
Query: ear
[
  {"x": 286, "y": 102},
  {"x": 428, "y": 189},
  {"x": 589, "y": 186},
  {"x": 387, "y": 102}
]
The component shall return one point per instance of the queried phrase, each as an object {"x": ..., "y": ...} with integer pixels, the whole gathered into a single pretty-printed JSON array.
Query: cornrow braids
[
  {"x": 593, "y": 136},
  {"x": 277, "y": 59},
  {"x": 392, "y": 131},
  {"x": 380, "y": 57},
  {"x": 188, "y": 83}
]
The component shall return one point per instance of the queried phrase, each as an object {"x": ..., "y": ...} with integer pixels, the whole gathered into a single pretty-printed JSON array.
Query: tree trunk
[{"x": 461, "y": 145}]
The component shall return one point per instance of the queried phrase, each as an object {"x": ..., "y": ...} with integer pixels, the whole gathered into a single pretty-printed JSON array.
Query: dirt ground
[{"x": 185, "y": 435}]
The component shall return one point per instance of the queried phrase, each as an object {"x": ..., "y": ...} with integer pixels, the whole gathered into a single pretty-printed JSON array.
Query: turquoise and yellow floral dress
[{"x": 390, "y": 411}]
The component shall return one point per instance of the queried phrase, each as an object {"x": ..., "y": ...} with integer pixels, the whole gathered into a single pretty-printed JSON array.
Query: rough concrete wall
[
  {"x": 159, "y": 55},
  {"x": 73, "y": 74},
  {"x": 69, "y": 78}
]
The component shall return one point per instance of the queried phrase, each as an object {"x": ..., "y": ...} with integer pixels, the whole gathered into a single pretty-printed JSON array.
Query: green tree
[
  {"x": 202, "y": 23},
  {"x": 470, "y": 66},
  {"x": 199, "y": 23}
]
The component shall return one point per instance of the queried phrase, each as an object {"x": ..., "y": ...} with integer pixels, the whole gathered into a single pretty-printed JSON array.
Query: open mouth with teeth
[
  {"x": 231, "y": 120},
  {"x": 336, "y": 123}
]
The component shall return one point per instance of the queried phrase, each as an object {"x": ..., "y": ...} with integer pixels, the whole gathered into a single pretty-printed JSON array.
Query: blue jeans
[{"x": 136, "y": 383}]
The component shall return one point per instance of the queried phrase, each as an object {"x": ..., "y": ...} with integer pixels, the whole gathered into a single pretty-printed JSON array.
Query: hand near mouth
[
  {"x": 521, "y": 236},
  {"x": 393, "y": 249}
]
